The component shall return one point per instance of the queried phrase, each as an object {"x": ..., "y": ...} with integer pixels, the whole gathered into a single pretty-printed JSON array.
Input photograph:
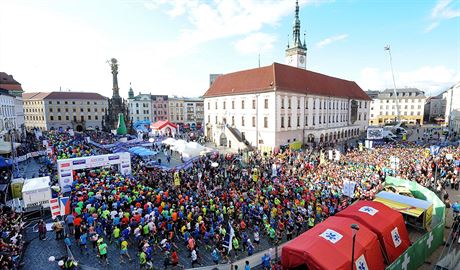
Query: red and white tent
[
  {"x": 165, "y": 128},
  {"x": 387, "y": 223},
  {"x": 328, "y": 246}
]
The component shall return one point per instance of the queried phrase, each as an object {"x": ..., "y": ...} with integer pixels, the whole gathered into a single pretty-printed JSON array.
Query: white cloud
[
  {"x": 211, "y": 20},
  {"x": 443, "y": 10},
  {"x": 255, "y": 43},
  {"x": 330, "y": 40},
  {"x": 427, "y": 78}
]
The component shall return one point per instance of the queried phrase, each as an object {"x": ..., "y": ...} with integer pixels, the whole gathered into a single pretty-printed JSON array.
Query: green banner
[{"x": 421, "y": 249}]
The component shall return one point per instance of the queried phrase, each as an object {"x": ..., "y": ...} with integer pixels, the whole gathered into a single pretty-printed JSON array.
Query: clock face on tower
[
  {"x": 302, "y": 59},
  {"x": 290, "y": 60}
]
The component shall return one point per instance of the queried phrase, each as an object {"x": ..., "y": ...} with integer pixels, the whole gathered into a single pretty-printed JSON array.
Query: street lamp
[
  {"x": 354, "y": 229},
  {"x": 387, "y": 48}
]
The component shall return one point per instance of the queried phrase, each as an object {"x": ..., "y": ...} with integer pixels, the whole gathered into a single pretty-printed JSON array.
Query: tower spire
[{"x": 296, "y": 26}]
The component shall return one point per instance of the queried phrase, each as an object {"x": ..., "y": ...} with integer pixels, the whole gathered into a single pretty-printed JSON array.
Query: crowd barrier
[
  {"x": 29, "y": 155},
  {"x": 254, "y": 260}
]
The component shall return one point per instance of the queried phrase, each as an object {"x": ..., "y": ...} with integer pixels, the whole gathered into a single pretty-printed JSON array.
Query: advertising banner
[
  {"x": 374, "y": 133},
  {"x": 66, "y": 166}
]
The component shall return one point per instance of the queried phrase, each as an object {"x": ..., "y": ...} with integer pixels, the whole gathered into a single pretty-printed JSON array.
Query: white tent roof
[
  {"x": 36, "y": 184},
  {"x": 169, "y": 141}
]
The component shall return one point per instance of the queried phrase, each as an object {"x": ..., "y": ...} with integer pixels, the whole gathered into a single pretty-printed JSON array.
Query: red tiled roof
[
  {"x": 162, "y": 124},
  {"x": 278, "y": 77},
  {"x": 9, "y": 83},
  {"x": 63, "y": 95}
]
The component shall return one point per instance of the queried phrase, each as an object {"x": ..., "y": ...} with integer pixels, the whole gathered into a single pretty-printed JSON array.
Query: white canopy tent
[{"x": 187, "y": 149}]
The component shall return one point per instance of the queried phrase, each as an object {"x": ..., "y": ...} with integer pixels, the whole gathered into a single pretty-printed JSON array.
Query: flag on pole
[
  {"x": 65, "y": 206},
  {"x": 434, "y": 149},
  {"x": 229, "y": 237}
]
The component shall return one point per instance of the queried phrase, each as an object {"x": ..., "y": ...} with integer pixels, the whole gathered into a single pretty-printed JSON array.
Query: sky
[{"x": 171, "y": 46}]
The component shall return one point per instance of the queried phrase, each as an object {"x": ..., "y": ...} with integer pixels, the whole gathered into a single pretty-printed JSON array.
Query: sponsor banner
[
  {"x": 114, "y": 157},
  {"x": 79, "y": 162},
  {"x": 54, "y": 206},
  {"x": 125, "y": 165},
  {"x": 374, "y": 133},
  {"x": 66, "y": 174},
  {"x": 64, "y": 165}
]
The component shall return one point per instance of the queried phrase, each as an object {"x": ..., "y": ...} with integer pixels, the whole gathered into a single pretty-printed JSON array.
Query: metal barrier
[{"x": 254, "y": 260}]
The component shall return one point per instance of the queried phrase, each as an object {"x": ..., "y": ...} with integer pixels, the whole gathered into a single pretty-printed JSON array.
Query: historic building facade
[
  {"x": 12, "y": 90},
  {"x": 275, "y": 105},
  {"x": 62, "y": 110},
  {"x": 385, "y": 104}
]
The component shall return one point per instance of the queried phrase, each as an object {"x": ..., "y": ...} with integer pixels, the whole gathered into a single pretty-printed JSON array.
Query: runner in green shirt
[
  {"x": 102, "y": 247},
  {"x": 143, "y": 259}
]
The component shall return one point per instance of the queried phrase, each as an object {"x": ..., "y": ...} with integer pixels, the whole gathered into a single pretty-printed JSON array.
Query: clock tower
[{"x": 296, "y": 55}]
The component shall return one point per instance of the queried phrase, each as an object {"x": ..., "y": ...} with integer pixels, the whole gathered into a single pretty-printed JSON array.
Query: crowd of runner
[{"x": 265, "y": 198}]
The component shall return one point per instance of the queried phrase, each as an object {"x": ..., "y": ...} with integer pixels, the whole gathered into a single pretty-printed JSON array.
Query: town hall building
[{"x": 275, "y": 105}]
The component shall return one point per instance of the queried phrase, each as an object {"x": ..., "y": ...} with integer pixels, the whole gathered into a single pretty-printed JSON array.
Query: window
[
  {"x": 137, "y": 112},
  {"x": 75, "y": 118},
  {"x": 298, "y": 121},
  {"x": 412, "y": 106},
  {"x": 313, "y": 118},
  {"x": 419, "y": 106},
  {"x": 314, "y": 104},
  {"x": 233, "y": 120},
  {"x": 265, "y": 122},
  {"x": 320, "y": 104},
  {"x": 253, "y": 103},
  {"x": 96, "y": 117},
  {"x": 319, "y": 120},
  {"x": 209, "y": 105},
  {"x": 233, "y": 104},
  {"x": 87, "y": 103},
  {"x": 95, "y": 110},
  {"x": 224, "y": 105},
  {"x": 51, "y": 118},
  {"x": 365, "y": 106},
  {"x": 266, "y": 103},
  {"x": 50, "y": 102},
  {"x": 59, "y": 118},
  {"x": 306, "y": 103},
  {"x": 65, "y": 102},
  {"x": 209, "y": 117},
  {"x": 73, "y": 102},
  {"x": 365, "y": 116},
  {"x": 67, "y": 117},
  {"x": 215, "y": 105},
  {"x": 58, "y": 102},
  {"x": 418, "y": 113},
  {"x": 89, "y": 117},
  {"x": 74, "y": 110},
  {"x": 59, "y": 109},
  {"x": 253, "y": 121},
  {"x": 51, "y": 109},
  {"x": 82, "y": 118},
  {"x": 66, "y": 109},
  {"x": 306, "y": 120},
  {"x": 289, "y": 103},
  {"x": 242, "y": 121},
  {"x": 282, "y": 121},
  {"x": 289, "y": 121},
  {"x": 81, "y": 109},
  {"x": 242, "y": 104},
  {"x": 216, "y": 119}
]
